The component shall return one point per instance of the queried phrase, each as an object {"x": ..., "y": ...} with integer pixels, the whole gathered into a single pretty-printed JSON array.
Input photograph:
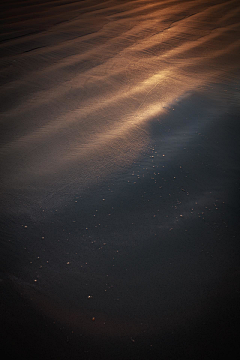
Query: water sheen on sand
[{"x": 119, "y": 153}]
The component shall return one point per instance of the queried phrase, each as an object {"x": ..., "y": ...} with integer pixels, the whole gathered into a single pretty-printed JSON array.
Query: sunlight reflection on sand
[{"x": 100, "y": 99}]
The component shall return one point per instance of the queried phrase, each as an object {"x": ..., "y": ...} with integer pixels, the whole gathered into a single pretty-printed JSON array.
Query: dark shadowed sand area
[{"x": 119, "y": 155}]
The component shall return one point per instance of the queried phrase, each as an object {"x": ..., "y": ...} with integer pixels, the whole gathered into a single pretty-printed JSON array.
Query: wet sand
[{"x": 119, "y": 152}]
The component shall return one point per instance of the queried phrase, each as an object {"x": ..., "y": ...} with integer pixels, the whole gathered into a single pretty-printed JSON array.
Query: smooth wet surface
[{"x": 120, "y": 179}]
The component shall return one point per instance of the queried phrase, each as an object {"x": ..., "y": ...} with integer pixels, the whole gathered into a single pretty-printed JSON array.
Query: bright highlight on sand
[{"x": 91, "y": 79}]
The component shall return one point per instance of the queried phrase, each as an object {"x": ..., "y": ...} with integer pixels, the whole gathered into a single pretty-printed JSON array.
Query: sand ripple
[{"x": 81, "y": 81}]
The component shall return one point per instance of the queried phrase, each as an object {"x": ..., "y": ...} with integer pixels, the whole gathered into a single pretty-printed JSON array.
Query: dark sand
[{"x": 119, "y": 158}]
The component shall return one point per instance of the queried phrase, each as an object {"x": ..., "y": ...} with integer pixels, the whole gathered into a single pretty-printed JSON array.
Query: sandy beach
[{"x": 119, "y": 174}]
